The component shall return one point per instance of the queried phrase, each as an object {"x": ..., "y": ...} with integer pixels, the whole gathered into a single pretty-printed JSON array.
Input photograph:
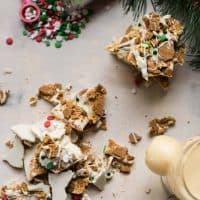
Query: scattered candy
[
  {"x": 50, "y": 117},
  {"x": 55, "y": 23},
  {"x": 9, "y": 41},
  {"x": 47, "y": 124}
]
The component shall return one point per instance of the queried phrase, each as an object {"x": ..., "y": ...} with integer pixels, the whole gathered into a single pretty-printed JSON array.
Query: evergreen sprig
[{"x": 186, "y": 11}]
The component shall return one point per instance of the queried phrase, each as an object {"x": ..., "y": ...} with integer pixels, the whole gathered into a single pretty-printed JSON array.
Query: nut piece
[
  {"x": 3, "y": 96},
  {"x": 160, "y": 126},
  {"x": 33, "y": 100},
  {"x": 134, "y": 138}
]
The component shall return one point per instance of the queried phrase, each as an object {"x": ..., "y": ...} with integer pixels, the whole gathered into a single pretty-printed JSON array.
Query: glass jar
[{"x": 181, "y": 175}]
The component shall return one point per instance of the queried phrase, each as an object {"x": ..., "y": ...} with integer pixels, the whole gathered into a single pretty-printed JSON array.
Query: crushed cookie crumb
[
  {"x": 4, "y": 94},
  {"x": 33, "y": 100},
  {"x": 148, "y": 191},
  {"x": 160, "y": 126},
  {"x": 134, "y": 138},
  {"x": 9, "y": 144}
]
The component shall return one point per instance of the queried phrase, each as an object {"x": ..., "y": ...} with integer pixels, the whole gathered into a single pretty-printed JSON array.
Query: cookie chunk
[
  {"x": 160, "y": 126},
  {"x": 4, "y": 94},
  {"x": 119, "y": 152},
  {"x": 25, "y": 190}
]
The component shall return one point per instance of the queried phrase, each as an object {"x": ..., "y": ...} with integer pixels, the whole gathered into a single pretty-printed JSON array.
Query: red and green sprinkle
[{"x": 56, "y": 24}]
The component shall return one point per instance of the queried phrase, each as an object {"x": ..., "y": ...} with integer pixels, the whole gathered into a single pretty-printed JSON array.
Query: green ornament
[
  {"x": 50, "y": 165},
  {"x": 58, "y": 44}
]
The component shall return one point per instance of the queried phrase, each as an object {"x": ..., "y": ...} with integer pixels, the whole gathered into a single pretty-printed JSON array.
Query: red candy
[
  {"x": 4, "y": 197},
  {"x": 50, "y": 117},
  {"x": 9, "y": 41},
  {"x": 71, "y": 36},
  {"x": 39, "y": 38},
  {"x": 47, "y": 124},
  {"x": 76, "y": 197}
]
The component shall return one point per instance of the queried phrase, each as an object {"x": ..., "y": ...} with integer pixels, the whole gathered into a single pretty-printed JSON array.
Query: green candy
[
  {"x": 43, "y": 18},
  {"x": 47, "y": 43},
  {"x": 58, "y": 44},
  {"x": 51, "y": 1},
  {"x": 24, "y": 32},
  {"x": 50, "y": 165},
  {"x": 162, "y": 37},
  {"x": 76, "y": 35},
  {"x": 104, "y": 148},
  {"x": 75, "y": 27},
  {"x": 146, "y": 44}
]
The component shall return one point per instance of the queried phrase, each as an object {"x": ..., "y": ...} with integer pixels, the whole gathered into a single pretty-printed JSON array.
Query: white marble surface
[{"x": 84, "y": 62}]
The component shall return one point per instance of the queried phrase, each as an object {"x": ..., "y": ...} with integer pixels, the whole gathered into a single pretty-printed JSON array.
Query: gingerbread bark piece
[
  {"x": 134, "y": 138},
  {"x": 24, "y": 190},
  {"x": 160, "y": 126},
  {"x": 57, "y": 156},
  {"x": 119, "y": 152},
  {"x": 78, "y": 186},
  {"x": 85, "y": 110},
  {"x": 152, "y": 47},
  {"x": 92, "y": 101},
  {"x": 53, "y": 93}
]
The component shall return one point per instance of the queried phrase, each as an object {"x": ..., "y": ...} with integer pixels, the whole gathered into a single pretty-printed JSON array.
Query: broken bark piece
[
  {"x": 58, "y": 190},
  {"x": 78, "y": 186},
  {"x": 134, "y": 138},
  {"x": 150, "y": 47},
  {"x": 23, "y": 131},
  {"x": 4, "y": 94},
  {"x": 31, "y": 166},
  {"x": 57, "y": 155},
  {"x": 54, "y": 128},
  {"x": 119, "y": 152},
  {"x": 85, "y": 110},
  {"x": 15, "y": 154},
  {"x": 33, "y": 100},
  {"x": 160, "y": 126},
  {"x": 25, "y": 190}
]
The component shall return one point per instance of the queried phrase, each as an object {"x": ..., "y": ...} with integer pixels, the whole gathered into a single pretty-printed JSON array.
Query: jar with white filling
[{"x": 178, "y": 163}]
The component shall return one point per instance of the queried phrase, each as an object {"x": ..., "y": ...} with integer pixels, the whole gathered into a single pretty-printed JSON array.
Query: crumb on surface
[
  {"x": 134, "y": 138},
  {"x": 160, "y": 126}
]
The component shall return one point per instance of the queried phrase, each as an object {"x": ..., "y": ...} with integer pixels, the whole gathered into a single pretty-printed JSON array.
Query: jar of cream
[{"x": 178, "y": 163}]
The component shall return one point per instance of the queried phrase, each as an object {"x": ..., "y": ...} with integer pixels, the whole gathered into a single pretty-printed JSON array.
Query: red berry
[
  {"x": 71, "y": 36},
  {"x": 9, "y": 41},
  {"x": 47, "y": 124},
  {"x": 39, "y": 38},
  {"x": 50, "y": 117}
]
